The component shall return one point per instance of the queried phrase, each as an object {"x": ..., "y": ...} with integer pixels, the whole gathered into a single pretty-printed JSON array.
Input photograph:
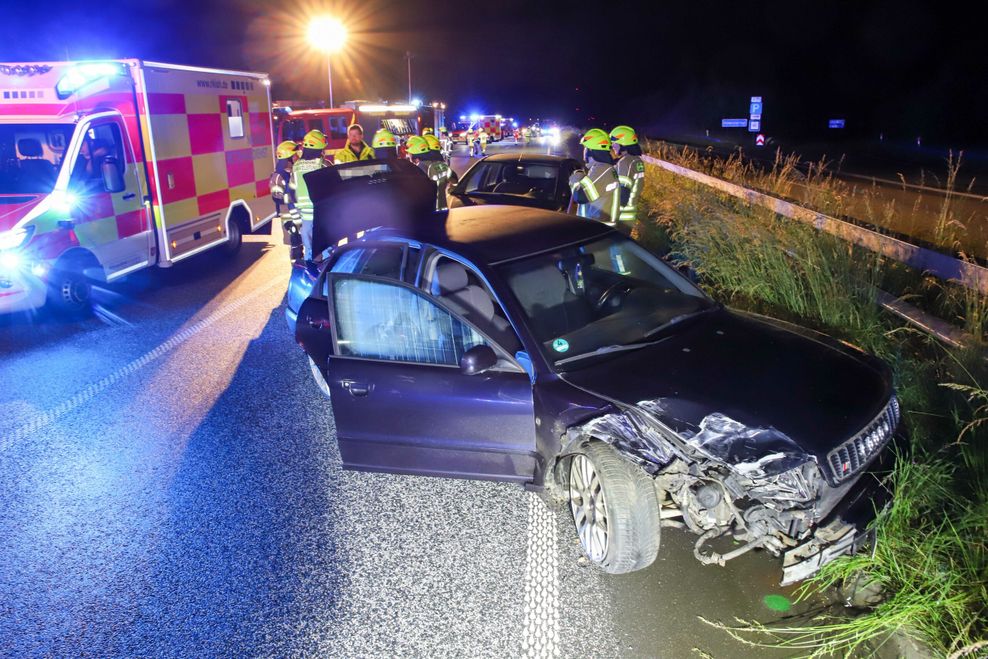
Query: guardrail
[{"x": 966, "y": 273}]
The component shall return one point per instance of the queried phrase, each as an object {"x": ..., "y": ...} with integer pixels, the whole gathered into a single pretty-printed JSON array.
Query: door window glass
[
  {"x": 378, "y": 320},
  {"x": 99, "y": 143},
  {"x": 382, "y": 261},
  {"x": 235, "y": 117}
]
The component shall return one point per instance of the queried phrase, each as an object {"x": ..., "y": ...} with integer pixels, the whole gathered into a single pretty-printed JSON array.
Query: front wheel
[
  {"x": 615, "y": 509},
  {"x": 234, "y": 238},
  {"x": 70, "y": 291}
]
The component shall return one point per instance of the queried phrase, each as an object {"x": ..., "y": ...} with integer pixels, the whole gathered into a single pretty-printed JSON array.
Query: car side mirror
[
  {"x": 112, "y": 175},
  {"x": 477, "y": 360}
]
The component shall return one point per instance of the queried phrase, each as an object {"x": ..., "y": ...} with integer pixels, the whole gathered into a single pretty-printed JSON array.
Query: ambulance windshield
[{"x": 31, "y": 155}]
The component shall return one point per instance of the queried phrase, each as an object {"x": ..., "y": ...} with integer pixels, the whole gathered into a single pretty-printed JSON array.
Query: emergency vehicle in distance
[
  {"x": 491, "y": 123},
  {"x": 113, "y": 166},
  {"x": 402, "y": 119}
]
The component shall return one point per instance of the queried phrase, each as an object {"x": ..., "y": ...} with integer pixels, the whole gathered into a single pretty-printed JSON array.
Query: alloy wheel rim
[{"x": 589, "y": 507}]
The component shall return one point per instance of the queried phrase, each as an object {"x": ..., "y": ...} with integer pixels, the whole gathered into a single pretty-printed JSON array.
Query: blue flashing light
[{"x": 82, "y": 74}]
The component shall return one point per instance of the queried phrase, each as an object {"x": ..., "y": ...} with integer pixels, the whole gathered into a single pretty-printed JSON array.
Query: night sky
[{"x": 902, "y": 68}]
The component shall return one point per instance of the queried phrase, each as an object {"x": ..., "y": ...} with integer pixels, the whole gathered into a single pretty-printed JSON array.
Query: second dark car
[{"x": 533, "y": 180}]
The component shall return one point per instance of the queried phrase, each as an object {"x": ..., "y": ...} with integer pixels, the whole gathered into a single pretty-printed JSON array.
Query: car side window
[
  {"x": 391, "y": 322},
  {"x": 462, "y": 290},
  {"x": 487, "y": 176}
]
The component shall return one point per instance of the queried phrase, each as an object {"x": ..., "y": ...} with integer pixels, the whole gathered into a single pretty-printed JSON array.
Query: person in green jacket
[
  {"x": 355, "y": 149},
  {"x": 630, "y": 170},
  {"x": 313, "y": 145},
  {"x": 430, "y": 161}
]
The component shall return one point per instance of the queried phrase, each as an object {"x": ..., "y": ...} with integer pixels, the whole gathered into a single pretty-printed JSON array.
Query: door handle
[
  {"x": 357, "y": 389},
  {"x": 129, "y": 195}
]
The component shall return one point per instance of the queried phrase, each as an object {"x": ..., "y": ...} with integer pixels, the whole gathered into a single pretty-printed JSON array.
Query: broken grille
[{"x": 851, "y": 456}]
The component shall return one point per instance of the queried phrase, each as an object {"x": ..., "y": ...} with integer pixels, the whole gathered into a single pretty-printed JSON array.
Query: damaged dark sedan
[{"x": 529, "y": 346}]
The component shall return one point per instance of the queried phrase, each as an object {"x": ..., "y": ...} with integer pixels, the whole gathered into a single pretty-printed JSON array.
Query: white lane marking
[
  {"x": 540, "y": 635},
  {"x": 46, "y": 418}
]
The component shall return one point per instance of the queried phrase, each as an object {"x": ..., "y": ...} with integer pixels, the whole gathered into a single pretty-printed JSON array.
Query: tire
[
  {"x": 319, "y": 378},
  {"x": 70, "y": 290},
  {"x": 615, "y": 509},
  {"x": 234, "y": 239}
]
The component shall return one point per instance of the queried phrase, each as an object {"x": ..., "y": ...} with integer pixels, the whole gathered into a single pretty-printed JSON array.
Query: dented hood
[{"x": 759, "y": 372}]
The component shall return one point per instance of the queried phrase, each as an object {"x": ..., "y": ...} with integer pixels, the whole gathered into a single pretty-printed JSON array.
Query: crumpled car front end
[{"x": 730, "y": 483}]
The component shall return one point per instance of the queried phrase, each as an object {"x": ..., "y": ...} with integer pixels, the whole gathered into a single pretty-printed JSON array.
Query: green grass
[{"x": 932, "y": 556}]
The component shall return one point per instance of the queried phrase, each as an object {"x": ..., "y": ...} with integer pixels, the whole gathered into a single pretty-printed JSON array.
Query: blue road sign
[
  {"x": 836, "y": 123},
  {"x": 756, "y": 99},
  {"x": 756, "y": 108},
  {"x": 733, "y": 123},
  {"x": 754, "y": 125}
]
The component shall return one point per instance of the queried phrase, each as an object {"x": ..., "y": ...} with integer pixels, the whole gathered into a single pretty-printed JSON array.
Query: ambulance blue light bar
[{"x": 84, "y": 73}]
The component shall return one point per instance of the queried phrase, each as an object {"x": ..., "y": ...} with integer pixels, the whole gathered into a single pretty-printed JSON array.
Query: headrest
[
  {"x": 30, "y": 147},
  {"x": 452, "y": 277}
]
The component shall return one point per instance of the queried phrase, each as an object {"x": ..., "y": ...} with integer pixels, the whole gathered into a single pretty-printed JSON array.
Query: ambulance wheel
[
  {"x": 70, "y": 291},
  {"x": 234, "y": 239}
]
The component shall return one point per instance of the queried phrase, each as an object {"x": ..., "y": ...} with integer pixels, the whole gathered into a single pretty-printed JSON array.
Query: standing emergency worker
[
  {"x": 630, "y": 170},
  {"x": 428, "y": 131},
  {"x": 355, "y": 148},
  {"x": 445, "y": 143},
  {"x": 482, "y": 136},
  {"x": 430, "y": 161},
  {"x": 284, "y": 200},
  {"x": 385, "y": 145},
  {"x": 313, "y": 144},
  {"x": 596, "y": 190}
]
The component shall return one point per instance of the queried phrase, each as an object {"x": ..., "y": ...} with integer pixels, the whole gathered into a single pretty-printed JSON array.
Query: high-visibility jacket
[
  {"x": 303, "y": 203},
  {"x": 631, "y": 176},
  {"x": 596, "y": 192},
  {"x": 346, "y": 154}
]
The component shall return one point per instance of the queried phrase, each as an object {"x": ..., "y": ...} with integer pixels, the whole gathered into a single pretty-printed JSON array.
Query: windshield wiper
[
  {"x": 603, "y": 350},
  {"x": 680, "y": 318}
]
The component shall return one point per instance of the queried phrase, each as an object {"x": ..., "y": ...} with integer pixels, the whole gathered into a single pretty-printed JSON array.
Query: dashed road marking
[
  {"x": 540, "y": 634},
  {"x": 46, "y": 418}
]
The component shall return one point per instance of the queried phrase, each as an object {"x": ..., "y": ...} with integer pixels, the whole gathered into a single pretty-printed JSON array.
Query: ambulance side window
[{"x": 235, "y": 117}]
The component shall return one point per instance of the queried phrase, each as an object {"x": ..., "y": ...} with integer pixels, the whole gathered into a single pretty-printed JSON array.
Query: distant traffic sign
[
  {"x": 836, "y": 123},
  {"x": 760, "y": 140},
  {"x": 754, "y": 125},
  {"x": 733, "y": 123},
  {"x": 756, "y": 99},
  {"x": 756, "y": 108}
]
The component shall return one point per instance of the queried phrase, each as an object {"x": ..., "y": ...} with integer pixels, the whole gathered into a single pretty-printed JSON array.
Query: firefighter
[
  {"x": 430, "y": 161},
  {"x": 313, "y": 145},
  {"x": 482, "y": 138},
  {"x": 428, "y": 131},
  {"x": 445, "y": 143},
  {"x": 630, "y": 170},
  {"x": 282, "y": 196},
  {"x": 595, "y": 190},
  {"x": 468, "y": 140},
  {"x": 385, "y": 145},
  {"x": 355, "y": 148}
]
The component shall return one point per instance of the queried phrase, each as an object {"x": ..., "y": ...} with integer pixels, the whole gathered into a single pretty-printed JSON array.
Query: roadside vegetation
[{"x": 932, "y": 558}]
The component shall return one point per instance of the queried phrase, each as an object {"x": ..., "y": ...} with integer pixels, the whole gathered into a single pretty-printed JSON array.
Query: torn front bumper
[{"x": 846, "y": 530}]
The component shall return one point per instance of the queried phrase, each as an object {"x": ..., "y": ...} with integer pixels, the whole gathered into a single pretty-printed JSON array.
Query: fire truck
[
  {"x": 403, "y": 120},
  {"x": 113, "y": 166}
]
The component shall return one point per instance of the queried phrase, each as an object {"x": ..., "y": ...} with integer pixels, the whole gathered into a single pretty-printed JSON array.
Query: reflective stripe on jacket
[
  {"x": 303, "y": 204},
  {"x": 631, "y": 174},
  {"x": 346, "y": 154},
  {"x": 597, "y": 192}
]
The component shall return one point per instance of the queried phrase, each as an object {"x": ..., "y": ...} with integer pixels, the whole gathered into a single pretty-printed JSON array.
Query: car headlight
[{"x": 15, "y": 237}]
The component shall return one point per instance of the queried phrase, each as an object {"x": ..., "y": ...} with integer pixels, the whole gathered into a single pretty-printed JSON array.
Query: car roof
[
  {"x": 493, "y": 234},
  {"x": 526, "y": 157}
]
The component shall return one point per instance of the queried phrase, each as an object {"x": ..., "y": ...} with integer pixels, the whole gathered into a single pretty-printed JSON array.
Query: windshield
[
  {"x": 605, "y": 296},
  {"x": 31, "y": 155},
  {"x": 519, "y": 179}
]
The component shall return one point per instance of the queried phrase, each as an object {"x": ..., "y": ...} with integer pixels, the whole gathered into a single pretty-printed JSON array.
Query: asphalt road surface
[{"x": 170, "y": 485}]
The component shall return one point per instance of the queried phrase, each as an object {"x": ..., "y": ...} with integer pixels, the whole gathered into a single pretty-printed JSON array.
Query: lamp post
[
  {"x": 408, "y": 56},
  {"x": 328, "y": 35}
]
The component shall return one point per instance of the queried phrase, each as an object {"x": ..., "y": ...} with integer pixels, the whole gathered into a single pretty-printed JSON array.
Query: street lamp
[{"x": 326, "y": 34}]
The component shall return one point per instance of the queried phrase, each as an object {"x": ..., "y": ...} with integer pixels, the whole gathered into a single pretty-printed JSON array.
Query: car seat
[
  {"x": 34, "y": 166},
  {"x": 474, "y": 303}
]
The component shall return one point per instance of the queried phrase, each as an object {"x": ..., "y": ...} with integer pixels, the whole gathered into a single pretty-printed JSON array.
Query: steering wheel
[{"x": 619, "y": 288}]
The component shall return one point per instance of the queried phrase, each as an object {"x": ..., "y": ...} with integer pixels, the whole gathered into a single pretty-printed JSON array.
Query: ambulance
[{"x": 109, "y": 167}]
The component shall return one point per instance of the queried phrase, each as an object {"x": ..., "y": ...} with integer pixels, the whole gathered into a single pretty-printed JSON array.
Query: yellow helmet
[
  {"x": 433, "y": 142},
  {"x": 314, "y": 139},
  {"x": 286, "y": 149},
  {"x": 417, "y": 146},
  {"x": 624, "y": 135},
  {"x": 383, "y": 138},
  {"x": 596, "y": 139},
  {"x": 428, "y": 131}
]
